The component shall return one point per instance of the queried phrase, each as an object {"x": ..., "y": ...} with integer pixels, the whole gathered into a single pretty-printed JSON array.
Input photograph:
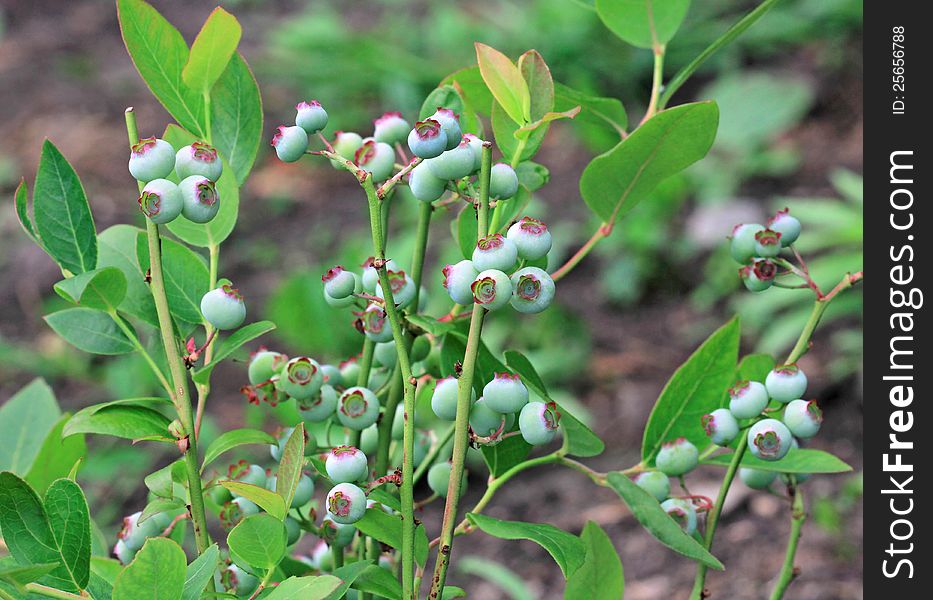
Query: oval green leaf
[
  {"x": 600, "y": 576},
  {"x": 259, "y": 540},
  {"x": 116, "y": 247},
  {"x": 102, "y": 288},
  {"x": 566, "y": 549},
  {"x": 25, "y": 421},
  {"x": 643, "y": 23},
  {"x": 798, "y": 460},
  {"x": 505, "y": 82},
  {"x": 211, "y": 50},
  {"x": 129, "y": 421},
  {"x": 157, "y": 573},
  {"x": 267, "y": 500},
  {"x": 90, "y": 330},
  {"x": 231, "y": 344},
  {"x": 236, "y": 125},
  {"x": 186, "y": 277},
  {"x": 232, "y": 439}
]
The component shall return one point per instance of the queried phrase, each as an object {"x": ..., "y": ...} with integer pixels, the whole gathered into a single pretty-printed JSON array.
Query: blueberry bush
[{"x": 357, "y": 438}]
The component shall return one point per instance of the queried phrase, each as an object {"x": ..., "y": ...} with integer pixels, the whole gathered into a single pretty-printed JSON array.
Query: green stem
[
  {"x": 362, "y": 380},
  {"x": 49, "y": 592},
  {"x": 425, "y": 211},
  {"x": 656, "y": 82},
  {"x": 134, "y": 339},
  {"x": 204, "y": 389},
  {"x": 464, "y": 395},
  {"x": 798, "y": 515},
  {"x": 432, "y": 455}
]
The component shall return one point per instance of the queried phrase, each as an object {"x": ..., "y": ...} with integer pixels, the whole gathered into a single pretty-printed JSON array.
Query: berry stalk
[{"x": 798, "y": 515}]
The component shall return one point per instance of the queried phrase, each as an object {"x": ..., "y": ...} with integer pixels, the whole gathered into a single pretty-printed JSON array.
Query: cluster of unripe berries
[
  {"x": 754, "y": 246},
  {"x": 197, "y": 167},
  {"x": 486, "y": 279}
]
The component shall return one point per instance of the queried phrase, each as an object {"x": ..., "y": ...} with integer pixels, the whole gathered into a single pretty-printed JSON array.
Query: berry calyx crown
[
  {"x": 532, "y": 226},
  {"x": 551, "y": 416},
  {"x": 491, "y": 242},
  {"x": 528, "y": 287},
  {"x": 301, "y": 370},
  {"x": 446, "y": 112},
  {"x": 427, "y": 129},
  {"x": 150, "y": 203},
  {"x": 143, "y": 146},
  {"x": 387, "y": 118},
  {"x": 231, "y": 292},
  {"x": 768, "y": 237},
  {"x": 307, "y": 104},
  {"x": 344, "y": 451},
  {"x": 207, "y": 192},
  {"x": 203, "y": 152},
  {"x": 365, "y": 153},
  {"x": 332, "y": 273},
  {"x": 484, "y": 290}
]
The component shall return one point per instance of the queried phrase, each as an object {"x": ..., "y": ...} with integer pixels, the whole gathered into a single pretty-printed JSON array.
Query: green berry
[
  {"x": 385, "y": 354},
  {"x": 677, "y": 458},
  {"x": 450, "y": 124},
  {"x": 264, "y": 365},
  {"x": 338, "y": 282},
  {"x": 803, "y": 418},
  {"x": 503, "y": 182},
  {"x": 332, "y": 375},
  {"x": 769, "y": 439},
  {"x": 747, "y": 399},
  {"x": 786, "y": 383},
  {"x": 244, "y": 472},
  {"x": 742, "y": 242},
  {"x": 532, "y": 290},
  {"x": 375, "y": 324},
  {"x": 655, "y": 483},
  {"x": 134, "y": 533},
  {"x": 484, "y": 421},
  {"x": 377, "y": 158},
  {"x": 538, "y": 422},
  {"x": 454, "y": 164},
  {"x": 370, "y": 278},
  {"x": 786, "y": 225},
  {"x": 759, "y": 275},
  {"x": 346, "y": 503},
  {"x": 458, "y": 281},
  {"x": 402, "y": 286},
  {"x": 200, "y": 200},
  {"x": 350, "y": 370},
  {"x": 161, "y": 201},
  {"x": 420, "y": 348},
  {"x": 683, "y": 512},
  {"x": 424, "y": 185},
  {"x": 311, "y": 116},
  {"x": 721, "y": 426},
  {"x": 290, "y": 143},
  {"x": 336, "y": 534},
  {"x": 123, "y": 553},
  {"x": 444, "y": 399},
  {"x": 235, "y": 511},
  {"x": 292, "y": 531},
  {"x": 345, "y": 144},
  {"x": 531, "y": 237},
  {"x": 151, "y": 158},
  {"x": 439, "y": 479},
  {"x": 358, "y": 408},
  {"x": 757, "y": 479},
  {"x": 321, "y": 407},
  {"x": 301, "y": 378},
  {"x": 199, "y": 158},
  {"x": 767, "y": 243},
  {"x": 346, "y": 464},
  {"x": 495, "y": 252},
  {"x": 303, "y": 492},
  {"x": 391, "y": 128},
  {"x": 369, "y": 440},
  {"x": 492, "y": 289},
  {"x": 427, "y": 139},
  {"x": 476, "y": 145},
  {"x": 224, "y": 307},
  {"x": 506, "y": 393}
]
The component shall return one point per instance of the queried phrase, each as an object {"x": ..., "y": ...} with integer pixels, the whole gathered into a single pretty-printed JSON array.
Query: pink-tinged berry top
[
  {"x": 280, "y": 132},
  {"x": 203, "y": 152},
  {"x": 764, "y": 269},
  {"x": 365, "y": 153},
  {"x": 528, "y": 287},
  {"x": 532, "y": 226},
  {"x": 709, "y": 424},
  {"x": 301, "y": 371},
  {"x": 446, "y": 112},
  {"x": 388, "y": 117},
  {"x": 674, "y": 443},
  {"x": 447, "y": 270},
  {"x": 341, "y": 451},
  {"x": 143, "y": 146},
  {"x": 332, "y": 273},
  {"x": 768, "y": 443},
  {"x": 396, "y": 280},
  {"x": 207, "y": 192},
  {"x": 231, "y": 292},
  {"x": 506, "y": 376},
  {"x": 307, "y": 104},
  {"x": 814, "y": 411},
  {"x": 787, "y": 370},
  {"x": 374, "y": 319},
  {"x": 368, "y": 262},
  {"x": 354, "y": 404},
  {"x": 551, "y": 416},
  {"x": 346, "y": 363},
  {"x": 739, "y": 388},
  {"x": 778, "y": 216},
  {"x": 484, "y": 290},
  {"x": 491, "y": 242},
  {"x": 768, "y": 237},
  {"x": 238, "y": 469},
  {"x": 427, "y": 129}
]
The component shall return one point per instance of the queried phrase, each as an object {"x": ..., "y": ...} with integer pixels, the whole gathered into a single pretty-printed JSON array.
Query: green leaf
[
  {"x": 593, "y": 109},
  {"x": 133, "y": 419},
  {"x": 387, "y": 529},
  {"x": 28, "y": 535},
  {"x": 56, "y": 457},
  {"x": 267, "y": 500},
  {"x": 117, "y": 248},
  {"x": 289, "y": 472},
  {"x": 161, "y": 482},
  {"x": 646, "y": 509},
  {"x": 158, "y": 506},
  {"x": 754, "y": 367},
  {"x": 347, "y": 575},
  {"x": 199, "y": 573},
  {"x": 540, "y": 84},
  {"x": 378, "y": 581},
  {"x": 472, "y": 89},
  {"x": 231, "y": 344},
  {"x": 506, "y": 454},
  {"x": 25, "y": 421},
  {"x": 566, "y": 549},
  {"x": 106, "y": 568},
  {"x": 798, "y": 460},
  {"x": 211, "y": 50},
  {"x": 305, "y": 588},
  {"x": 233, "y": 439},
  {"x": 600, "y": 576},
  {"x": 615, "y": 182},
  {"x": 259, "y": 540},
  {"x": 532, "y": 176},
  {"x": 186, "y": 277},
  {"x": 157, "y": 573},
  {"x": 236, "y": 123},
  {"x": 63, "y": 216},
  {"x": 430, "y": 324},
  {"x": 505, "y": 82},
  {"x": 21, "y": 202},
  {"x": 697, "y": 388},
  {"x": 452, "y": 591},
  {"x": 160, "y": 55},
  {"x": 20, "y": 575},
  {"x": 90, "y": 330},
  {"x": 643, "y": 23},
  {"x": 507, "y": 133},
  {"x": 102, "y": 288},
  {"x": 497, "y": 574}
]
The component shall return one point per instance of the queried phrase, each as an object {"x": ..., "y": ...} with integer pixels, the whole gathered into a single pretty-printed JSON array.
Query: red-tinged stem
[{"x": 602, "y": 232}]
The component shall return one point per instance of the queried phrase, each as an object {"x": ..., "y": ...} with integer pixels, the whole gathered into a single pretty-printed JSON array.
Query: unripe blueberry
[
  {"x": 769, "y": 439},
  {"x": 224, "y": 307},
  {"x": 759, "y": 275},
  {"x": 199, "y": 158},
  {"x": 506, "y": 393},
  {"x": 786, "y": 225},
  {"x": 375, "y": 324},
  {"x": 134, "y": 533},
  {"x": 742, "y": 242},
  {"x": 444, "y": 399},
  {"x": 757, "y": 479},
  {"x": 424, "y": 185},
  {"x": 458, "y": 281},
  {"x": 161, "y": 201},
  {"x": 492, "y": 289},
  {"x": 420, "y": 349},
  {"x": 531, "y": 237},
  {"x": 427, "y": 139},
  {"x": 322, "y": 558},
  {"x": 377, "y": 158},
  {"x": 484, "y": 421},
  {"x": 450, "y": 124},
  {"x": 532, "y": 290},
  {"x": 346, "y": 464},
  {"x": 747, "y": 399},
  {"x": 301, "y": 378},
  {"x": 345, "y": 144},
  {"x": 350, "y": 370},
  {"x": 337, "y": 534},
  {"x": 803, "y": 418},
  {"x": 246, "y": 473},
  {"x": 303, "y": 492},
  {"x": 311, "y": 116},
  {"x": 349, "y": 299},
  {"x": 391, "y": 128},
  {"x": 346, "y": 503},
  {"x": 385, "y": 354},
  {"x": 767, "y": 243},
  {"x": 123, "y": 553},
  {"x": 370, "y": 277},
  {"x": 453, "y": 164},
  {"x": 264, "y": 365},
  {"x": 151, "y": 158},
  {"x": 677, "y": 457},
  {"x": 503, "y": 182},
  {"x": 321, "y": 407},
  {"x": 721, "y": 426},
  {"x": 495, "y": 252},
  {"x": 236, "y": 510},
  {"x": 338, "y": 282},
  {"x": 539, "y": 422},
  {"x": 358, "y": 408},
  {"x": 786, "y": 383},
  {"x": 369, "y": 439},
  {"x": 683, "y": 512},
  {"x": 403, "y": 288},
  {"x": 200, "y": 200},
  {"x": 439, "y": 479},
  {"x": 240, "y": 581},
  {"x": 290, "y": 143},
  {"x": 476, "y": 145},
  {"x": 655, "y": 483},
  {"x": 292, "y": 531},
  {"x": 332, "y": 375}
]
